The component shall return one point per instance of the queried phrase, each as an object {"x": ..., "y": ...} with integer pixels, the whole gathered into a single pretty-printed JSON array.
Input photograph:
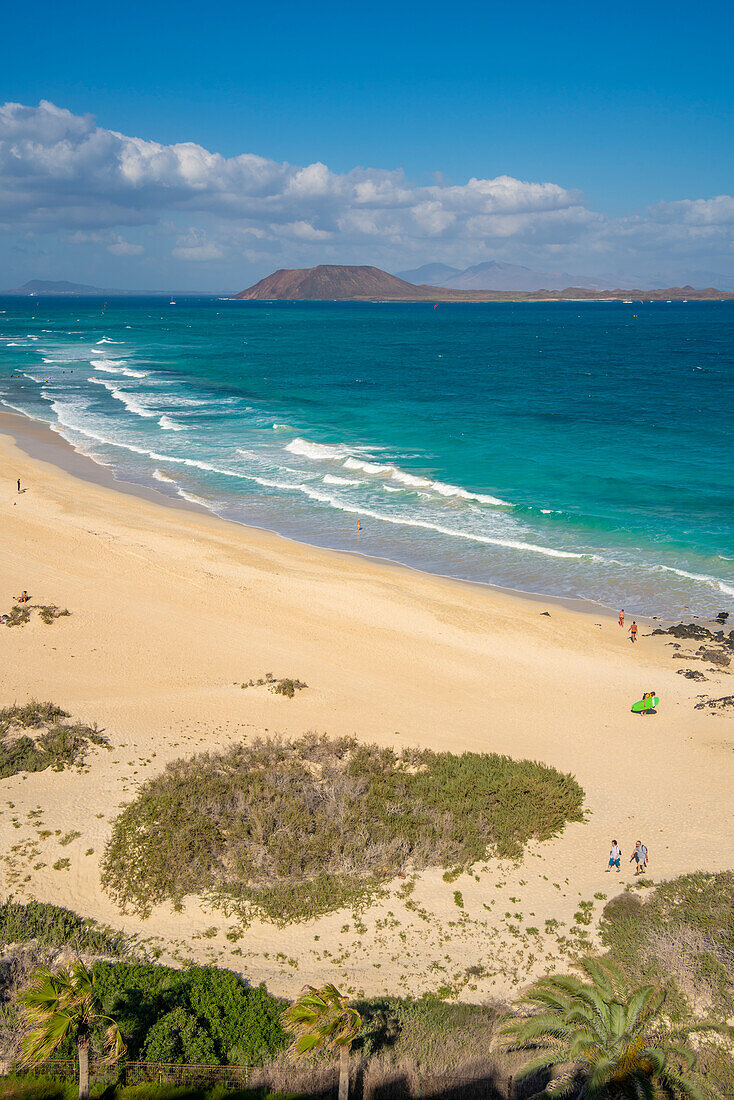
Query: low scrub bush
[
  {"x": 20, "y": 614},
  {"x": 285, "y": 686},
  {"x": 304, "y": 827},
  {"x": 54, "y": 926},
  {"x": 684, "y": 932},
  {"x": 36, "y": 736}
]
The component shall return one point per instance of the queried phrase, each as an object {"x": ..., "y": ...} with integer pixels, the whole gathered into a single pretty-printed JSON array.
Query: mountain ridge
[
  {"x": 350, "y": 282},
  {"x": 497, "y": 275}
]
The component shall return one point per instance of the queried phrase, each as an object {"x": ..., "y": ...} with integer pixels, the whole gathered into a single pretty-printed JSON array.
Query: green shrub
[
  {"x": 57, "y": 927},
  {"x": 20, "y": 614},
  {"x": 683, "y": 932},
  {"x": 310, "y": 826},
  {"x": 54, "y": 743},
  {"x": 200, "y": 1014}
]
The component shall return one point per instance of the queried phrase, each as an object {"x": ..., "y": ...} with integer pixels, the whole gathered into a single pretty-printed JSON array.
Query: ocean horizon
[{"x": 576, "y": 449}]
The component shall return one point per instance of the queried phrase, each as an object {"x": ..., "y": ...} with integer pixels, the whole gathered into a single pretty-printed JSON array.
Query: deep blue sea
[{"x": 573, "y": 449}]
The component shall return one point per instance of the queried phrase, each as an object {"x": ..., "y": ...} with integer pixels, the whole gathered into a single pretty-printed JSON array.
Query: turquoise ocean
[{"x": 570, "y": 449}]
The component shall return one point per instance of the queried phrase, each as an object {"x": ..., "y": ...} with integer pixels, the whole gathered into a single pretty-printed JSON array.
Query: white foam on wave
[
  {"x": 130, "y": 400},
  {"x": 319, "y": 451},
  {"x": 345, "y": 455},
  {"x": 351, "y": 463},
  {"x": 169, "y": 425},
  {"x": 160, "y": 476},
  {"x": 703, "y": 578},
  {"x": 117, "y": 366},
  {"x": 281, "y": 428},
  {"x": 61, "y": 411},
  {"x": 413, "y": 481},
  {"x": 106, "y": 340},
  {"x": 332, "y": 479},
  {"x": 410, "y": 521},
  {"x": 33, "y": 378},
  {"x": 193, "y": 498}
]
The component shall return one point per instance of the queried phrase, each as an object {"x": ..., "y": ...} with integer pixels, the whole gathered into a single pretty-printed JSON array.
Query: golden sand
[{"x": 172, "y": 610}]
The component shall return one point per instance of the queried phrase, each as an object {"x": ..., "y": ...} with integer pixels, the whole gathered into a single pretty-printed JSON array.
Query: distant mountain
[
  {"x": 430, "y": 275},
  {"x": 345, "y": 283},
  {"x": 329, "y": 282},
  {"x": 43, "y": 287},
  {"x": 495, "y": 275}
]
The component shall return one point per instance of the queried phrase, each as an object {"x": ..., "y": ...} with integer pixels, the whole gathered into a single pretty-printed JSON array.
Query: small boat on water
[{"x": 171, "y": 303}]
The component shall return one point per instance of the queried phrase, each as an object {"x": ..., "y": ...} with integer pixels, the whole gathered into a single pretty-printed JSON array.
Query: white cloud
[
  {"x": 62, "y": 173},
  {"x": 60, "y": 170},
  {"x": 125, "y": 248}
]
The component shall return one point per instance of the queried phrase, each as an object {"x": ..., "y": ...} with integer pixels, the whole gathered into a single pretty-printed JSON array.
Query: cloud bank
[{"x": 63, "y": 175}]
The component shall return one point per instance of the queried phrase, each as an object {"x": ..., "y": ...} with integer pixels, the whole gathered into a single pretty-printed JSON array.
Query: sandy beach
[{"x": 172, "y": 609}]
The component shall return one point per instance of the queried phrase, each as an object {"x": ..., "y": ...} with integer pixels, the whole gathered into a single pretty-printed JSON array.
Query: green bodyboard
[{"x": 645, "y": 704}]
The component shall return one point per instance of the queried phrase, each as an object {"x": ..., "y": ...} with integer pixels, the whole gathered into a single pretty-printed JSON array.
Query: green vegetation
[
  {"x": 322, "y": 1019},
  {"x": 606, "y": 1041},
  {"x": 20, "y": 614},
  {"x": 46, "y": 1088},
  {"x": 53, "y": 926},
  {"x": 36, "y": 736},
  {"x": 285, "y": 686},
  {"x": 63, "y": 1006},
  {"x": 198, "y": 1015},
  {"x": 296, "y": 829},
  {"x": 682, "y": 932}
]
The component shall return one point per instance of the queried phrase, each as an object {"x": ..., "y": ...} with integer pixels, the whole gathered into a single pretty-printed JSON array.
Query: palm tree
[
  {"x": 607, "y": 1042},
  {"x": 321, "y": 1019},
  {"x": 64, "y": 1004}
]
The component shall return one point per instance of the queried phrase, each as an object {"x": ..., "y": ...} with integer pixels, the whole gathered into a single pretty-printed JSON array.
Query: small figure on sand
[
  {"x": 359, "y": 525},
  {"x": 640, "y": 858},
  {"x": 18, "y": 484},
  {"x": 633, "y": 632},
  {"x": 649, "y": 700},
  {"x": 621, "y": 617},
  {"x": 615, "y": 856},
  {"x": 22, "y": 598}
]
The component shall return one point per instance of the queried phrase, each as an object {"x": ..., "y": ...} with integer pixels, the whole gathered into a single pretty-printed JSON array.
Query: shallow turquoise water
[{"x": 578, "y": 449}]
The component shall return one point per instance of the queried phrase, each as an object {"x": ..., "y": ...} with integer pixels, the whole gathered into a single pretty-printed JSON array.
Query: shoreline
[
  {"x": 172, "y": 609},
  {"x": 38, "y": 440}
]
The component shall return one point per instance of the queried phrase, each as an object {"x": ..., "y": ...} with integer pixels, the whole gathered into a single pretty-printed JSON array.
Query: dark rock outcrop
[
  {"x": 698, "y": 633},
  {"x": 724, "y": 703}
]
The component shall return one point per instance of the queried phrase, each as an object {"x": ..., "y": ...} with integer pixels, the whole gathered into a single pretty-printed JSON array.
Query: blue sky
[{"x": 627, "y": 111}]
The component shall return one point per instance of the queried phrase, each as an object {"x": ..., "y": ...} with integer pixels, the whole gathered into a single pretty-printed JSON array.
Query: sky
[{"x": 174, "y": 145}]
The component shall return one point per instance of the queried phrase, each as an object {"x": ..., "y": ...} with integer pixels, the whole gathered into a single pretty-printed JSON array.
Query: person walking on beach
[
  {"x": 615, "y": 856},
  {"x": 643, "y": 857},
  {"x": 637, "y": 856},
  {"x": 633, "y": 632},
  {"x": 621, "y": 617},
  {"x": 18, "y": 484}
]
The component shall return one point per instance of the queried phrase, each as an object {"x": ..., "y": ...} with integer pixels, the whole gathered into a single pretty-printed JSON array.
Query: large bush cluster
[
  {"x": 198, "y": 1015},
  {"x": 304, "y": 827}
]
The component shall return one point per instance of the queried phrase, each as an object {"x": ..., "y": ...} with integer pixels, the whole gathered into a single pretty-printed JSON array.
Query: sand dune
[{"x": 173, "y": 609}]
